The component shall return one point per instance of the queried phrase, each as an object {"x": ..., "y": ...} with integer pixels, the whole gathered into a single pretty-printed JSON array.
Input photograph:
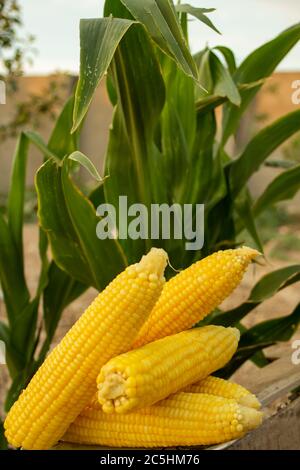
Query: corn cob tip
[
  {"x": 250, "y": 401},
  {"x": 154, "y": 263},
  {"x": 249, "y": 253},
  {"x": 250, "y": 418},
  {"x": 236, "y": 332}
]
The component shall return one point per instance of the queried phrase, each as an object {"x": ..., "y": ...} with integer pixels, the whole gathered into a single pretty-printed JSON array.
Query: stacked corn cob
[{"x": 158, "y": 394}]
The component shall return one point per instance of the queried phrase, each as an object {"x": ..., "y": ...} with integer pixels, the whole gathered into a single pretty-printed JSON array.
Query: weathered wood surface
[{"x": 280, "y": 430}]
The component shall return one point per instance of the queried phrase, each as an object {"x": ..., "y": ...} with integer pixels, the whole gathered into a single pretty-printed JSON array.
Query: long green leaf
[
  {"x": 62, "y": 142},
  {"x": 285, "y": 186},
  {"x": 278, "y": 329},
  {"x": 199, "y": 13},
  {"x": 178, "y": 125},
  {"x": 99, "y": 39},
  {"x": 260, "y": 147},
  {"x": 228, "y": 56},
  {"x": 234, "y": 316},
  {"x": 3, "y": 441},
  {"x": 224, "y": 85},
  {"x": 12, "y": 278},
  {"x": 210, "y": 102},
  {"x": 86, "y": 163},
  {"x": 161, "y": 22},
  {"x": 4, "y": 333},
  {"x": 37, "y": 140},
  {"x": 134, "y": 163},
  {"x": 105, "y": 258},
  {"x": 259, "y": 64},
  {"x": 272, "y": 283},
  {"x": 15, "y": 207},
  {"x": 55, "y": 220},
  {"x": 23, "y": 330}
]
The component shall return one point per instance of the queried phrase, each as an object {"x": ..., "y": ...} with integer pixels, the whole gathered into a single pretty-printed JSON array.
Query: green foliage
[{"x": 165, "y": 146}]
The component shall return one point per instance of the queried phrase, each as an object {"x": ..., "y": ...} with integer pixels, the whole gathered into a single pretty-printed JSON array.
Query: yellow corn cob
[
  {"x": 223, "y": 388},
  {"x": 183, "y": 419},
  {"x": 65, "y": 383},
  {"x": 194, "y": 293},
  {"x": 144, "y": 376}
]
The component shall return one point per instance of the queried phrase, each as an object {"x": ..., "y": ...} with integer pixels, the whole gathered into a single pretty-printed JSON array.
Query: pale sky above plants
[{"x": 245, "y": 24}]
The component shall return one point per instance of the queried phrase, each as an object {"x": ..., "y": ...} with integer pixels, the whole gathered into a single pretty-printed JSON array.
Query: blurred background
[{"x": 39, "y": 63}]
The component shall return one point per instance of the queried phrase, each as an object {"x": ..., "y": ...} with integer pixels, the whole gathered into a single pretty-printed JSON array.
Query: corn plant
[{"x": 165, "y": 147}]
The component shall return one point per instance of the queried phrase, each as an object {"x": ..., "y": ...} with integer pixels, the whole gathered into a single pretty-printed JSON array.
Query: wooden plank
[{"x": 275, "y": 380}]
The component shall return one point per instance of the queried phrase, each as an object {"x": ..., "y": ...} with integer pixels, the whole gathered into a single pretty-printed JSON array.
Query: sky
[{"x": 245, "y": 25}]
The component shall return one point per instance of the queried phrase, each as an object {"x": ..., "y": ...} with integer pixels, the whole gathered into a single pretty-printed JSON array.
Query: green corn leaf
[
  {"x": 285, "y": 186},
  {"x": 105, "y": 258},
  {"x": 264, "y": 289},
  {"x": 23, "y": 330},
  {"x": 272, "y": 283},
  {"x": 234, "y": 316},
  {"x": 161, "y": 22},
  {"x": 86, "y": 163},
  {"x": 199, "y": 13},
  {"x": 99, "y": 39},
  {"x": 133, "y": 162},
  {"x": 3, "y": 441},
  {"x": 202, "y": 177},
  {"x": 70, "y": 222},
  {"x": 97, "y": 196},
  {"x": 15, "y": 207},
  {"x": 205, "y": 76},
  {"x": 285, "y": 164},
  {"x": 14, "y": 391},
  {"x": 55, "y": 221},
  {"x": 37, "y": 140},
  {"x": 209, "y": 103},
  {"x": 292, "y": 280},
  {"x": 260, "y": 360},
  {"x": 224, "y": 85},
  {"x": 278, "y": 329},
  {"x": 62, "y": 142},
  {"x": 4, "y": 333},
  {"x": 259, "y": 64},
  {"x": 243, "y": 207},
  {"x": 13, "y": 283},
  {"x": 260, "y": 147},
  {"x": 178, "y": 125},
  {"x": 228, "y": 56}
]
